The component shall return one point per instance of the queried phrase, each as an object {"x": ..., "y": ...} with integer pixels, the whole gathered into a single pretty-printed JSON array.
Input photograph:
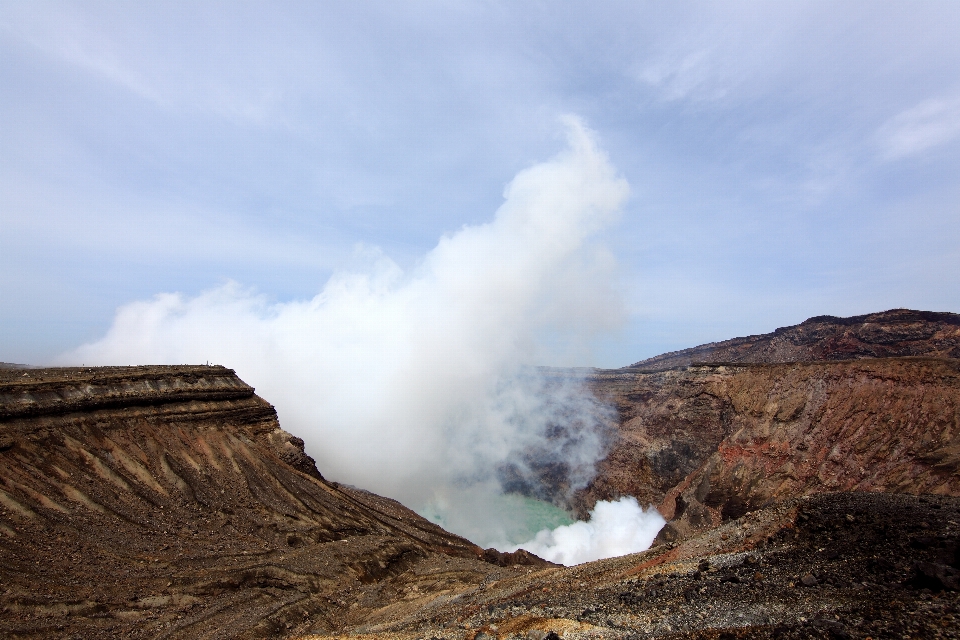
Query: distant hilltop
[{"x": 894, "y": 333}]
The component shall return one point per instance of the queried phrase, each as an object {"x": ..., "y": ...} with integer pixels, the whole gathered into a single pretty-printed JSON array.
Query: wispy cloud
[
  {"x": 62, "y": 34},
  {"x": 131, "y": 56},
  {"x": 919, "y": 129},
  {"x": 688, "y": 76}
]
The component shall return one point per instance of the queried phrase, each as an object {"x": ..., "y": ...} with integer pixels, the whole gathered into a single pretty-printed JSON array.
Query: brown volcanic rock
[
  {"x": 894, "y": 333},
  {"x": 158, "y": 502},
  {"x": 836, "y": 565},
  {"x": 167, "y": 502},
  {"x": 713, "y": 441},
  {"x": 801, "y": 410},
  {"x": 879, "y": 425}
]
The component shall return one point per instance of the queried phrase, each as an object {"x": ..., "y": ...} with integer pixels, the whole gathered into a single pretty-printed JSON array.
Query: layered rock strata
[
  {"x": 710, "y": 442},
  {"x": 167, "y": 502},
  {"x": 708, "y": 433}
]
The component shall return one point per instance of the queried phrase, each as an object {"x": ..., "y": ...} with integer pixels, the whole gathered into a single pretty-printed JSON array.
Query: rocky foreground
[
  {"x": 808, "y": 496},
  {"x": 843, "y": 565}
]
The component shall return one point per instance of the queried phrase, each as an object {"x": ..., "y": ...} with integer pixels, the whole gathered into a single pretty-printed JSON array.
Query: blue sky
[{"x": 785, "y": 160}]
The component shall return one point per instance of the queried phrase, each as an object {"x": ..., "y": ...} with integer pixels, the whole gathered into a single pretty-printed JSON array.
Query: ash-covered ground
[{"x": 845, "y": 565}]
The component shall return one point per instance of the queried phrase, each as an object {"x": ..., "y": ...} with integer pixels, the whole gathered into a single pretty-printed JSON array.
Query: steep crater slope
[
  {"x": 803, "y": 410},
  {"x": 710, "y": 442},
  {"x": 167, "y": 502}
]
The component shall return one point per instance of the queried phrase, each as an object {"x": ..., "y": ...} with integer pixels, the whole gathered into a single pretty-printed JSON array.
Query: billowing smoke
[
  {"x": 614, "y": 529},
  {"x": 419, "y": 385}
]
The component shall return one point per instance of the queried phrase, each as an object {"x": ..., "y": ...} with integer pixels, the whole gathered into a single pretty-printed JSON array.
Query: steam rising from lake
[
  {"x": 614, "y": 529},
  {"x": 418, "y": 385}
]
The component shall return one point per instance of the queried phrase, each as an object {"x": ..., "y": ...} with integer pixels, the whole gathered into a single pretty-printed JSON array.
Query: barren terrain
[{"x": 808, "y": 495}]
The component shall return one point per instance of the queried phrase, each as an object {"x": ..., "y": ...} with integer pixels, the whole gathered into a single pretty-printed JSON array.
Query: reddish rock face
[
  {"x": 895, "y": 333},
  {"x": 709, "y": 442}
]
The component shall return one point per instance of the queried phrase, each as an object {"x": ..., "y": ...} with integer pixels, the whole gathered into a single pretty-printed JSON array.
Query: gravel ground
[{"x": 844, "y": 565}]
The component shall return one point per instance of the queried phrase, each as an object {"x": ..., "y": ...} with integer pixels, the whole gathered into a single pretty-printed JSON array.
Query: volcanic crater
[{"x": 809, "y": 478}]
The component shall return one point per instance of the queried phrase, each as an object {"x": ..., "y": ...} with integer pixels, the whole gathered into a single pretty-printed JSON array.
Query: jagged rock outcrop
[
  {"x": 894, "y": 333},
  {"x": 167, "y": 502}
]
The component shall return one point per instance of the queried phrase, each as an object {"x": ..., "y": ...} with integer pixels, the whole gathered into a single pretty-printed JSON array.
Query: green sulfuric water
[
  {"x": 536, "y": 515},
  {"x": 501, "y": 520}
]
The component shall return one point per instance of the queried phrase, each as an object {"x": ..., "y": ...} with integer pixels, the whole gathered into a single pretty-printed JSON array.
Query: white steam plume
[
  {"x": 417, "y": 385},
  {"x": 614, "y": 529}
]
